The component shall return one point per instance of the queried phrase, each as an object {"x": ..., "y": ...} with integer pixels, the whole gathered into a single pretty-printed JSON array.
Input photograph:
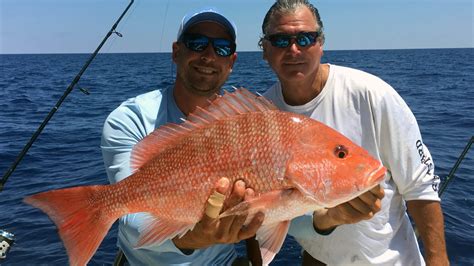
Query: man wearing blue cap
[{"x": 204, "y": 54}]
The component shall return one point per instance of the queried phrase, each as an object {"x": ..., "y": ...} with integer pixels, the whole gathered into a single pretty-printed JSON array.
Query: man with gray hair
[{"x": 373, "y": 228}]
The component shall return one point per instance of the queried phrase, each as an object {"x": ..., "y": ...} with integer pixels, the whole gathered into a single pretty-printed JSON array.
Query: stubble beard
[{"x": 200, "y": 86}]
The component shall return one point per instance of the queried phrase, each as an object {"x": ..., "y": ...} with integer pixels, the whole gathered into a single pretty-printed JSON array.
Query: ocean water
[{"x": 437, "y": 84}]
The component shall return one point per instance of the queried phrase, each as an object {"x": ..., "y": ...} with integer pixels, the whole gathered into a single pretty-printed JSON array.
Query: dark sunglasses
[
  {"x": 302, "y": 39},
  {"x": 199, "y": 43}
]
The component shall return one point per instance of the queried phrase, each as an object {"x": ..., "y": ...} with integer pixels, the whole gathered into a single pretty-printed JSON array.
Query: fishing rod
[
  {"x": 450, "y": 176},
  {"x": 60, "y": 101},
  {"x": 6, "y": 238}
]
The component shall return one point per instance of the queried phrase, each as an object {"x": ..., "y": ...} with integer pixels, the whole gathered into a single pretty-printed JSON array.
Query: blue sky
[{"x": 78, "y": 26}]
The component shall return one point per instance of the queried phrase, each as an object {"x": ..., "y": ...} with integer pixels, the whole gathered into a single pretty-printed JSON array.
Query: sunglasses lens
[
  {"x": 280, "y": 41},
  {"x": 196, "y": 43},
  {"x": 223, "y": 47},
  {"x": 305, "y": 39}
]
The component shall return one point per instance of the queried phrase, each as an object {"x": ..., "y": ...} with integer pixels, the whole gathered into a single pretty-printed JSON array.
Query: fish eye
[{"x": 341, "y": 152}]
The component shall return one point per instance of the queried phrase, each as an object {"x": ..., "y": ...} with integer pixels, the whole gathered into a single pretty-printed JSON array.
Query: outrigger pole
[
  {"x": 60, "y": 101},
  {"x": 455, "y": 167}
]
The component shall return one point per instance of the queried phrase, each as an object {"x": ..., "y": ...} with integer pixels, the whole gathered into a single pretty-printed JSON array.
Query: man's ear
[
  {"x": 175, "y": 51},
  {"x": 264, "y": 53},
  {"x": 233, "y": 59}
]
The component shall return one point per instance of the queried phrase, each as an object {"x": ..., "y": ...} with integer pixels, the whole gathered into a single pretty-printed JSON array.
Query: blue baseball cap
[{"x": 209, "y": 14}]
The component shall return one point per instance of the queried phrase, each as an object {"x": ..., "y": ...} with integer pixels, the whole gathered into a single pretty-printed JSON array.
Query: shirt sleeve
[
  {"x": 124, "y": 128},
  {"x": 402, "y": 150},
  {"x": 302, "y": 227}
]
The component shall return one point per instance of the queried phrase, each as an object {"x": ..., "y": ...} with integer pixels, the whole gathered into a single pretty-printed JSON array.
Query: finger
[
  {"x": 361, "y": 207},
  {"x": 373, "y": 202},
  {"x": 249, "y": 194},
  {"x": 378, "y": 191},
  {"x": 238, "y": 193},
  {"x": 235, "y": 198},
  {"x": 251, "y": 229},
  {"x": 222, "y": 185},
  {"x": 345, "y": 214},
  {"x": 239, "y": 221},
  {"x": 214, "y": 203}
]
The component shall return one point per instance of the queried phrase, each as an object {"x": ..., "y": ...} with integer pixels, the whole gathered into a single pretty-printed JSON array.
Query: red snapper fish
[{"x": 294, "y": 164}]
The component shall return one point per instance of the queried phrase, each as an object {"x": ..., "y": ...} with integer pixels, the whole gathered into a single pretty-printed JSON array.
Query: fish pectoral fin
[
  {"x": 268, "y": 200},
  {"x": 270, "y": 238},
  {"x": 155, "y": 231},
  {"x": 239, "y": 209}
]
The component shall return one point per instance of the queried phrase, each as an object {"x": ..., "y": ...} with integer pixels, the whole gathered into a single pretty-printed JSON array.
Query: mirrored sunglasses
[
  {"x": 199, "y": 43},
  {"x": 302, "y": 39}
]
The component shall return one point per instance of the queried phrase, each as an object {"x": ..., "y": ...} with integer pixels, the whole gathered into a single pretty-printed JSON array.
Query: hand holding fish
[
  {"x": 230, "y": 229},
  {"x": 361, "y": 208}
]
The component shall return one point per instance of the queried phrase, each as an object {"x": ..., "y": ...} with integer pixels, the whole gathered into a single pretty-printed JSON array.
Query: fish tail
[{"x": 82, "y": 225}]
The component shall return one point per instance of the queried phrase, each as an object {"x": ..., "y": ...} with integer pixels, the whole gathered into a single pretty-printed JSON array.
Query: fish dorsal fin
[{"x": 239, "y": 102}]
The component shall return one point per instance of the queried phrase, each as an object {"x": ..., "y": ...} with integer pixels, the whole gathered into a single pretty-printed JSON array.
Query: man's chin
[
  {"x": 292, "y": 75},
  {"x": 204, "y": 91}
]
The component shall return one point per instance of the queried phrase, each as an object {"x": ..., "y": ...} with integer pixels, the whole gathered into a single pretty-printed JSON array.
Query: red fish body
[{"x": 293, "y": 163}]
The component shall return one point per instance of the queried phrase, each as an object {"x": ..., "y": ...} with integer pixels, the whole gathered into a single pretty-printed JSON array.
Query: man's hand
[
  {"x": 230, "y": 229},
  {"x": 361, "y": 208}
]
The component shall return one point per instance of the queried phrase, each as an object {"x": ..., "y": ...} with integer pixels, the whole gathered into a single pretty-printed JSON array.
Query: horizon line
[{"x": 242, "y": 51}]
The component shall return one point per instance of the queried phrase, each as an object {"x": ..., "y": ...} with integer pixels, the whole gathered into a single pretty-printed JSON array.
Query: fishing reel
[{"x": 6, "y": 241}]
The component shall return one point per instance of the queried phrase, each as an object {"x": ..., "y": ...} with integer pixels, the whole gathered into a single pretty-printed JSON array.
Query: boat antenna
[
  {"x": 60, "y": 101},
  {"x": 450, "y": 176}
]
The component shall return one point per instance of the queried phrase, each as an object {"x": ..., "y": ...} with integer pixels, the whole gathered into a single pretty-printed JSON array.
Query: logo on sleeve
[{"x": 426, "y": 160}]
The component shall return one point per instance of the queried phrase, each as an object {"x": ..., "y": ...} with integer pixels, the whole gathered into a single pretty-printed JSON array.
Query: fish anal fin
[
  {"x": 154, "y": 231},
  {"x": 270, "y": 238}
]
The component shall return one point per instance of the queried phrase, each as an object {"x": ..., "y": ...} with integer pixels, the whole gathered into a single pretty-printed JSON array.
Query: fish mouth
[{"x": 377, "y": 175}]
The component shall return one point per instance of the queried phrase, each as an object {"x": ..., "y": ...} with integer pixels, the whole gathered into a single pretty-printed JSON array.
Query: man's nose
[
  {"x": 294, "y": 48},
  {"x": 208, "y": 54}
]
